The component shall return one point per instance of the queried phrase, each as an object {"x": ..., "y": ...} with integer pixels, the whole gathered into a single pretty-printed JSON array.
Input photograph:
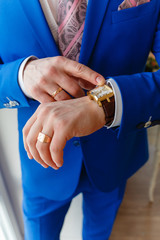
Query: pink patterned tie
[
  {"x": 131, "y": 3},
  {"x": 71, "y": 19}
]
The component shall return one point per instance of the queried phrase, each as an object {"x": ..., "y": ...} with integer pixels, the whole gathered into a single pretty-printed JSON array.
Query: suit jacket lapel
[
  {"x": 94, "y": 18},
  {"x": 40, "y": 27}
]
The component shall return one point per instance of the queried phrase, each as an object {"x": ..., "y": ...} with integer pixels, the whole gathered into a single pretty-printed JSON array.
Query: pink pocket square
[{"x": 131, "y": 3}]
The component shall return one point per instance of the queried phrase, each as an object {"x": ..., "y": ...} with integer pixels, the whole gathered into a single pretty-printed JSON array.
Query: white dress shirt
[{"x": 49, "y": 8}]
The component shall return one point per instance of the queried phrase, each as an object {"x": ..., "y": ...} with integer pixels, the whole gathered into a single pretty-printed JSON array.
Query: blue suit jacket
[{"x": 115, "y": 43}]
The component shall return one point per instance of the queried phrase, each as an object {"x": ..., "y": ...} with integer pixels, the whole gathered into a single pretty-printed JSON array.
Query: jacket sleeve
[
  {"x": 11, "y": 95},
  {"x": 140, "y": 96}
]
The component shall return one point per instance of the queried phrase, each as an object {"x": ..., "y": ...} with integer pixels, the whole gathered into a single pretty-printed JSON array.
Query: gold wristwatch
[{"x": 104, "y": 97}]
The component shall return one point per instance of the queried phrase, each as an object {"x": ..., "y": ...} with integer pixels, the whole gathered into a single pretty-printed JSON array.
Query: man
[{"x": 68, "y": 138}]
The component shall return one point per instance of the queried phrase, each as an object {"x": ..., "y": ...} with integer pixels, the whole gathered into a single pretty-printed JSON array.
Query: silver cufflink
[{"x": 10, "y": 104}]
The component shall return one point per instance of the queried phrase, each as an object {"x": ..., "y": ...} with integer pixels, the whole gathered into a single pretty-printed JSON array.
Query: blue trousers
[{"x": 43, "y": 218}]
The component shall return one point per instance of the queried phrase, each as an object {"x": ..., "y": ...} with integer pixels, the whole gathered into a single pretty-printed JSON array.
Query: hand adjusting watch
[{"x": 104, "y": 97}]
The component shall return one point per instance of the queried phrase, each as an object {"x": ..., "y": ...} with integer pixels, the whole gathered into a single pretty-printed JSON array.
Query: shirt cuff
[
  {"x": 118, "y": 103},
  {"x": 20, "y": 74}
]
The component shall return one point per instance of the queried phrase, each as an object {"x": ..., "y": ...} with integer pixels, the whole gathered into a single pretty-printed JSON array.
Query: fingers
[
  {"x": 52, "y": 153},
  {"x": 43, "y": 76},
  {"x": 58, "y": 95},
  {"x": 45, "y": 97},
  {"x": 70, "y": 85},
  {"x": 40, "y": 151},
  {"x": 44, "y": 152},
  {"x": 30, "y": 141},
  {"x": 44, "y": 149},
  {"x": 25, "y": 134},
  {"x": 56, "y": 147},
  {"x": 48, "y": 95},
  {"x": 78, "y": 70},
  {"x": 85, "y": 85}
]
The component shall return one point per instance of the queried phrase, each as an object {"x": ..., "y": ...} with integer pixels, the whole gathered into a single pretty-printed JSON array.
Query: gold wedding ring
[
  {"x": 56, "y": 92},
  {"x": 43, "y": 138}
]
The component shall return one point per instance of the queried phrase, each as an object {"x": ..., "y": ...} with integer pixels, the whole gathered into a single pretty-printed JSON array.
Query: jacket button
[
  {"x": 76, "y": 143},
  {"x": 147, "y": 124}
]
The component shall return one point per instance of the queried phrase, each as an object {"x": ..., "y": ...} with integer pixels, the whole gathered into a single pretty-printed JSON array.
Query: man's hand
[
  {"x": 44, "y": 76},
  {"x": 61, "y": 121}
]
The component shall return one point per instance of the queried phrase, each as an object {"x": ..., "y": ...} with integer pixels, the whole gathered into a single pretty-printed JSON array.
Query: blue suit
[{"x": 115, "y": 44}]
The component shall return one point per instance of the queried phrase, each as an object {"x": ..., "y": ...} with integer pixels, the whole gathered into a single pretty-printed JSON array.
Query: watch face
[
  {"x": 101, "y": 91},
  {"x": 100, "y": 94}
]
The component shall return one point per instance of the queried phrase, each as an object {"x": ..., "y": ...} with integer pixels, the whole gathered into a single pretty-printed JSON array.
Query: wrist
[
  {"x": 96, "y": 111},
  {"x": 21, "y": 74}
]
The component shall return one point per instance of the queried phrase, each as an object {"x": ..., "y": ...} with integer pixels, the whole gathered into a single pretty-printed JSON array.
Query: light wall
[{"x": 10, "y": 167}]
